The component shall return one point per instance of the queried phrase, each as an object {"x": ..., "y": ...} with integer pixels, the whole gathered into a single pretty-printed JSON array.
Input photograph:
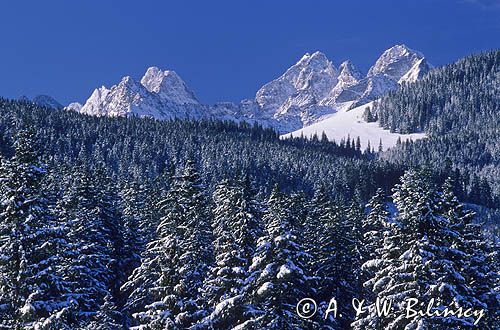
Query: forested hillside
[
  {"x": 81, "y": 250},
  {"x": 142, "y": 148},
  {"x": 458, "y": 106}
]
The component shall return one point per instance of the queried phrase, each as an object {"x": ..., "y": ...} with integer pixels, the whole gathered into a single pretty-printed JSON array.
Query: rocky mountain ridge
[{"x": 309, "y": 91}]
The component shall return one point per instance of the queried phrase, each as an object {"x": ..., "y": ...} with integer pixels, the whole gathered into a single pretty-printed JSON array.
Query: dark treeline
[
  {"x": 143, "y": 148},
  {"x": 83, "y": 250}
]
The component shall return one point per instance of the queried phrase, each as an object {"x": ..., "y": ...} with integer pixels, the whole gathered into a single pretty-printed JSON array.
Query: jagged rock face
[
  {"x": 307, "y": 92},
  {"x": 160, "y": 94},
  {"x": 396, "y": 65},
  {"x": 349, "y": 76},
  {"x": 396, "y": 62},
  {"x": 95, "y": 103},
  {"x": 128, "y": 97},
  {"x": 327, "y": 89},
  {"x": 168, "y": 85},
  {"x": 374, "y": 87},
  {"x": 306, "y": 82},
  {"x": 417, "y": 71}
]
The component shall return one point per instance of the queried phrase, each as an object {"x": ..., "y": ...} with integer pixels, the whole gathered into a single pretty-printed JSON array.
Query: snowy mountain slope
[
  {"x": 344, "y": 124},
  {"x": 308, "y": 92},
  {"x": 416, "y": 72}
]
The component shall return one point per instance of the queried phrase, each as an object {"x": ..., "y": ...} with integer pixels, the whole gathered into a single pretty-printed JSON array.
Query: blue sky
[{"x": 224, "y": 50}]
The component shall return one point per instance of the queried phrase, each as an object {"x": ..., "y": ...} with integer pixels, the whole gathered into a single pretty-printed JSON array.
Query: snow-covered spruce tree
[
  {"x": 373, "y": 228},
  {"x": 321, "y": 244},
  {"x": 163, "y": 290},
  {"x": 315, "y": 254},
  {"x": 419, "y": 262},
  {"x": 136, "y": 214},
  {"x": 156, "y": 192},
  {"x": 150, "y": 288},
  {"x": 279, "y": 278},
  {"x": 384, "y": 259},
  {"x": 236, "y": 230},
  {"x": 319, "y": 209},
  {"x": 109, "y": 213},
  {"x": 9, "y": 296},
  {"x": 444, "y": 264},
  {"x": 338, "y": 259},
  {"x": 347, "y": 237},
  {"x": 108, "y": 317},
  {"x": 88, "y": 258},
  {"x": 64, "y": 312},
  {"x": 196, "y": 246},
  {"x": 474, "y": 255},
  {"x": 29, "y": 287}
]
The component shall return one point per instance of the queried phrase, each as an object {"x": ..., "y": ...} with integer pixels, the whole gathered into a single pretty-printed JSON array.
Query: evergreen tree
[
  {"x": 88, "y": 258},
  {"x": 236, "y": 231},
  {"x": 29, "y": 287},
  {"x": 474, "y": 255},
  {"x": 163, "y": 291},
  {"x": 348, "y": 257},
  {"x": 314, "y": 229},
  {"x": 108, "y": 317},
  {"x": 419, "y": 260},
  {"x": 278, "y": 277},
  {"x": 373, "y": 228},
  {"x": 134, "y": 208}
]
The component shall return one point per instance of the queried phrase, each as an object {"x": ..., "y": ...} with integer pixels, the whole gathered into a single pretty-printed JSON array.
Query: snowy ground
[{"x": 350, "y": 123}]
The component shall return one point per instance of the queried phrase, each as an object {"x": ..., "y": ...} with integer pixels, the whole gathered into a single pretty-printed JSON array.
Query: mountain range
[{"x": 309, "y": 91}]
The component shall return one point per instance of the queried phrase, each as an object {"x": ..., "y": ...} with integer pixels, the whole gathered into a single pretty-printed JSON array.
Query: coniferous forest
[{"x": 118, "y": 223}]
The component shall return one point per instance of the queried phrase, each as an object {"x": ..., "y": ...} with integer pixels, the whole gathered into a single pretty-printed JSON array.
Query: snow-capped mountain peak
[
  {"x": 159, "y": 94},
  {"x": 308, "y": 58},
  {"x": 95, "y": 105},
  {"x": 305, "y": 83},
  {"x": 168, "y": 85},
  {"x": 317, "y": 73},
  {"x": 395, "y": 62}
]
